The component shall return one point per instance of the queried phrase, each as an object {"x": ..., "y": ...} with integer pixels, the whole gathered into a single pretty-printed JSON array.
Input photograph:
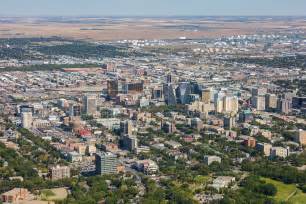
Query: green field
[{"x": 287, "y": 192}]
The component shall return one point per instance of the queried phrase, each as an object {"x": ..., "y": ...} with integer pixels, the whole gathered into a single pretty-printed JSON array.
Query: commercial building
[
  {"x": 279, "y": 152},
  {"x": 126, "y": 127},
  {"x": 229, "y": 122},
  {"x": 206, "y": 96},
  {"x": 26, "y": 119},
  {"x": 265, "y": 148},
  {"x": 106, "y": 163},
  {"x": 59, "y": 172},
  {"x": 301, "y": 137},
  {"x": 129, "y": 142},
  {"x": 90, "y": 104},
  {"x": 15, "y": 195}
]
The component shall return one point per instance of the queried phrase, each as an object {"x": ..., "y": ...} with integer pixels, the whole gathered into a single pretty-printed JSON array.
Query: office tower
[
  {"x": 265, "y": 148},
  {"x": 259, "y": 92},
  {"x": 169, "y": 94},
  {"x": 182, "y": 92},
  {"x": 128, "y": 142},
  {"x": 259, "y": 103},
  {"x": 169, "y": 79},
  {"x": 195, "y": 88},
  {"x": 25, "y": 108},
  {"x": 219, "y": 105},
  {"x": 157, "y": 93},
  {"x": 192, "y": 98},
  {"x": 126, "y": 127},
  {"x": 230, "y": 104},
  {"x": 271, "y": 102},
  {"x": 301, "y": 137},
  {"x": 74, "y": 110},
  {"x": 206, "y": 95},
  {"x": 112, "y": 88},
  {"x": 59, "y": 172},
  {"x": 245, "y": 116},
  {"x": 90, "y": 104},
  {"x": 106, "y": 163},
  {"x": 229, "y": 122},
  {"x": 284, "y": 105},
  {"x": 197, "y": 123},
  {"x": 132, "y": 87},
  {"x": 168, "y": 127},
  {"x": 26, "y": 118}
]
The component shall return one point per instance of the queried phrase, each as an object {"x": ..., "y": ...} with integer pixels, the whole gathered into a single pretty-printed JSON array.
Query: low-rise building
[{"x": 210, "y": 159}]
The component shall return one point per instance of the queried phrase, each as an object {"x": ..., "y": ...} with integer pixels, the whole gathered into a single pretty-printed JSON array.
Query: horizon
[{"x": 152, "y": 8}]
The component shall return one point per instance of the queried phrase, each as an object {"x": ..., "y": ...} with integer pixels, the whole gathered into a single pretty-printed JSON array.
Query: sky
[{"x": 152, "y": 7}]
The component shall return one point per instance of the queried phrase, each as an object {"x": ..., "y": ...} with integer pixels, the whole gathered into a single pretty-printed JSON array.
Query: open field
[
  {"x": 106, "y": 29},
  {"x": 55, "y": 194},
  {"x": 287, "y": 192}
]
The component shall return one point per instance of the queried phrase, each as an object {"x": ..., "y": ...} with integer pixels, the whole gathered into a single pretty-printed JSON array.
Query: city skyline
[{"x": 152, "y": 8}]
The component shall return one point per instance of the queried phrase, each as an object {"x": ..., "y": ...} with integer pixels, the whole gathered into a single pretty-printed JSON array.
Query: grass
[
  {"x": 287, "y": 192},
  {"x": 55, "y": 194}
]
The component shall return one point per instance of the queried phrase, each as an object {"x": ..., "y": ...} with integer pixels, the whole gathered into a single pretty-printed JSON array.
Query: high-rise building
[
  {"x": 259, "y": 92},
  {"x": 90, "y": 104},
  {"x": 259, "y": 102},
  {"x": 169, "y": 94},
  {"x": 129, "y": 142},
  {"x": 206, "y": 96},
  {"x": 230, "y": 104},
  {"x": 265, "y": 148},
  {"x": 126, "y": 127},
  {"x": 197, "y": 123},
  {"x": 106, "y": 163},
  {"x": 182, "y": 92},
  {"x": 285, "y": 105},
  {"x": 301, "y": 137},
  {"x": 271, "y": 102},
  {"x": 112, "y": 88},
  {"x": 59, "y": 172},
  {"x": 132, "y": 87},
  {"x": 27, "y": 119},
  {"x": 74, "y": 110},
  {"x": 229, "y": 122}
]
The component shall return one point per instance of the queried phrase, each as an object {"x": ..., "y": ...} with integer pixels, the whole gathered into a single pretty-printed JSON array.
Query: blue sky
[{"x": 152, "y": 7}]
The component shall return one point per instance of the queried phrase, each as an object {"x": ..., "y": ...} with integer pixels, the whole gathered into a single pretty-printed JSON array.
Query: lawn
[
  {"x": 55, "y": 194},
  {"x": 287, "y": 192}
]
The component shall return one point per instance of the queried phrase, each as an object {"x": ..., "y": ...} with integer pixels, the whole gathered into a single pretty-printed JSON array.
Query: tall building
[
  {"x": 26, "y": 119},
  {"x": 182, "y": 92},
  {"x": 59, "y": 172},
  {"x": 265, "y": 148},
  {"x": 112, "y": 88},
  {"x": 169, "y": 94},
  {"x": 259, "y": 103},
  {"x": 206, "y": 96},
  {"x": 285, "y": 105},
  {"x": 126, "y": 127},
  {"x": 129, "y": 142},
  {"x": 132, "y": 87},
  {"x": 90, "y": 104},
  {"x": 259, "y": 92},
  {"x": 271, "y": 102},
  {"x": 301, "y": 137},
  {"x": 230, "y": 104},
  {"x": 106, "y": 163},
  {"x": 74, "y": 110},
  {"x": 229, "y": 122}
]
